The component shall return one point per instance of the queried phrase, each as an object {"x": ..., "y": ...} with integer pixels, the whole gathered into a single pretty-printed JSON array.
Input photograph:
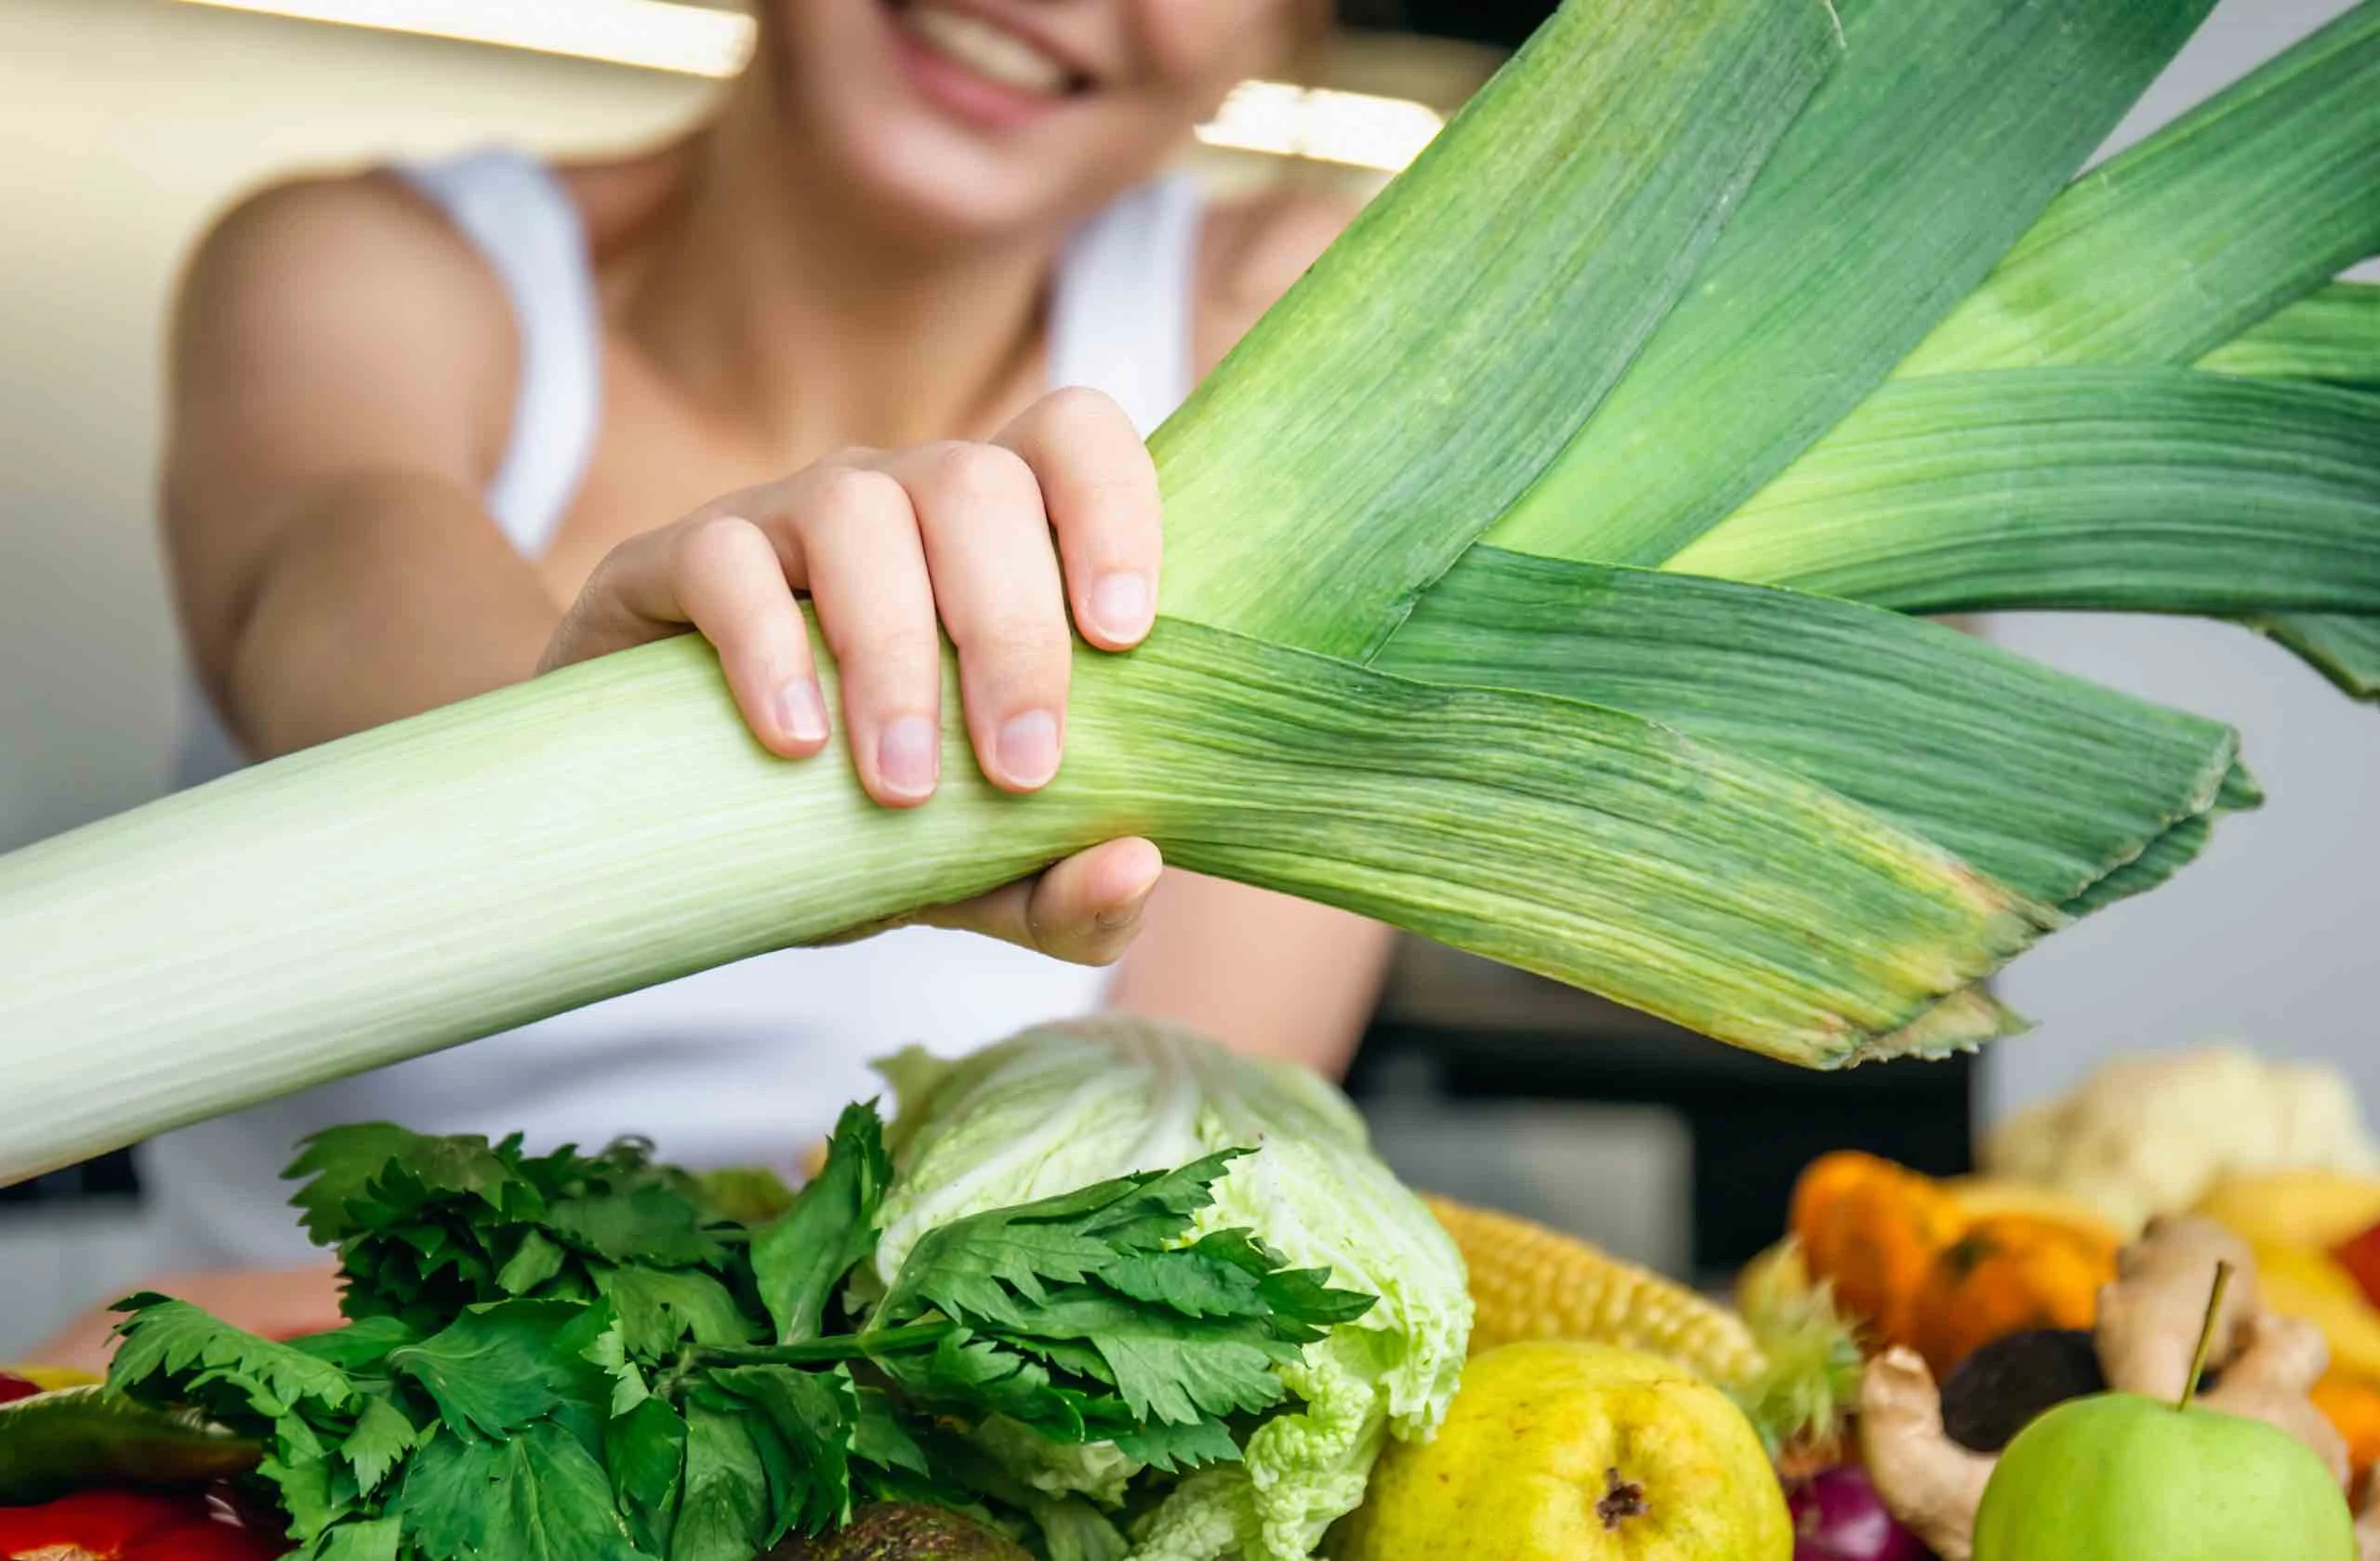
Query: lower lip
[{"x": 962, "y": 93}]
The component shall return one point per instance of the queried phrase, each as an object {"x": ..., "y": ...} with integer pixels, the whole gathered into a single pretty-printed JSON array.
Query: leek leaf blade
[
  {"x": 1944, "y": 132},
  {"x": 2262, "y": 195},
  {"x": 2144, "y": 490},
  {"x": 1473, "y": 314}
]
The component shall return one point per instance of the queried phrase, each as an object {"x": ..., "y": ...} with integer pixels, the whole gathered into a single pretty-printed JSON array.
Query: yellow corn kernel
[{"x": 1528, "y": 1281}]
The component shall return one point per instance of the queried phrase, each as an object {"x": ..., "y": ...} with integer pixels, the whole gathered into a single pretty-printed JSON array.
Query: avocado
[{"x": 905, "y": 1531}]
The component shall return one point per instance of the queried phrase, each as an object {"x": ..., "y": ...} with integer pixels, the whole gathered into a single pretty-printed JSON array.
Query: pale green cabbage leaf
[{"x": 1065, "y": 1105}]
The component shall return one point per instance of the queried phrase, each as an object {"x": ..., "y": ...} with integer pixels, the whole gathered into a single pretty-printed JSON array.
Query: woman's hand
[{"x": 1002, "y": 545}]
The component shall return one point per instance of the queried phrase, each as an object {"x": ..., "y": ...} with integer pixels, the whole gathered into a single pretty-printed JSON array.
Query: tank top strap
[
  {"x": 1124, "y": 301},
  {"x": 516, "y": 213}
]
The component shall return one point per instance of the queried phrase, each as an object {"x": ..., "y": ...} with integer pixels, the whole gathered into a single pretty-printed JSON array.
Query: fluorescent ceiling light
[{"x": 1350, "y": 127}]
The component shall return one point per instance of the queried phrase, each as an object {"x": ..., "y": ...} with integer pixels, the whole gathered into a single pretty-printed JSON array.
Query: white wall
[{"x": 126, "y": 121}]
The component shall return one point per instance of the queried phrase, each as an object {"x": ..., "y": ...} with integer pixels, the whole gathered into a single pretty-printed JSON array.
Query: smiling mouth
[{"x": 988, "y": 50}]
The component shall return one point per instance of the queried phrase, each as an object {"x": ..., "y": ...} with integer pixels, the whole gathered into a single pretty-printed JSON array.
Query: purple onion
[{"x": 1838, "y": 1516}]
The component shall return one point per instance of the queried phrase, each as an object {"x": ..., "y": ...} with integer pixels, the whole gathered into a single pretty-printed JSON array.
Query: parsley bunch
[{"x": 569, "y": 1357}]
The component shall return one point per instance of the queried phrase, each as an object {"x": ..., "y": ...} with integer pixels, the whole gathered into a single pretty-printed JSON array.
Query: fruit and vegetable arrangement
[
  {"x": 1104, "y": 1290},
  {"x": 2029, "y": 1333},
  {"x": 1550, "y": 574}
]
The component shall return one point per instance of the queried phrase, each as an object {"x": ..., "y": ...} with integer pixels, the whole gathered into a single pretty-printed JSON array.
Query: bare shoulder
[
  {"x": 1253, "y": 250},
  {"x": 348, "y": 238},
  {"x": 321, "y": 297}
]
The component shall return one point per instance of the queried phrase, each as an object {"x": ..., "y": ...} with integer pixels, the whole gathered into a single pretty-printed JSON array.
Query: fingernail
[
  {"x": 1120, "y": 604},
  {"x": 1123, "y": 916},
  {"x": 1028, "y": 747},
  {"x": 908, "y": 757},
  {"x": 802, "y": 714}
]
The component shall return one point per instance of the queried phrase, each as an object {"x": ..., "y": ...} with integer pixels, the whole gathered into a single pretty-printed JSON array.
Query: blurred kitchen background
[{"x": 126, "y": 123}]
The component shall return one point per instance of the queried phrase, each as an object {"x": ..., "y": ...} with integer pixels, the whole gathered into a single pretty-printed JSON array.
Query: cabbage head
[{"x": 1063, "y": 1106}]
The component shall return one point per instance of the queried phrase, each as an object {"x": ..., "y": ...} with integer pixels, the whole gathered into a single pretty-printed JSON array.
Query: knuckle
[
  {"x": 715, "y": 542},
  {"x": 967, "y": 476},
  {"x": 1080, "y": 409},
  {"x": 855, "y": 502},
  {"x": 861, "y": 492}
]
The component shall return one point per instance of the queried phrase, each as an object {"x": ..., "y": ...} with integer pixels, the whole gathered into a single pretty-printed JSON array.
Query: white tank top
[{"x": 747, "y": 1064}]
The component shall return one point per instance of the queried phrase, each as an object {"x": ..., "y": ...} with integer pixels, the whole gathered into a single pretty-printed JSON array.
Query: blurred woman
[{"x": 435, "y": 429}]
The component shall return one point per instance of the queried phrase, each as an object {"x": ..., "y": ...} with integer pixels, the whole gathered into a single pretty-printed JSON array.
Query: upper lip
[{"x": 1080, "y": 71}]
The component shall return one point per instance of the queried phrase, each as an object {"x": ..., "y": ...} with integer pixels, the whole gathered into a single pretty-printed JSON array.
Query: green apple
[{"x": 2119, "y": 1477}]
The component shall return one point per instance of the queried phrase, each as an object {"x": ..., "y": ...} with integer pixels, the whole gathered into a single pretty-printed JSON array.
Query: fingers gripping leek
[{"x": 1653, "y": 272}]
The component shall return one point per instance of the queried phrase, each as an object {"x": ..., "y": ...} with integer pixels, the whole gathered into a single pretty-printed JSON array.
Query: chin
[
  {"x": 925, "y": 177},
  {"x": 927, "y": 134}
]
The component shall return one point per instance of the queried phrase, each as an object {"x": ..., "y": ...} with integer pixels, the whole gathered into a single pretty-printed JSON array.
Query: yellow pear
[{"x": 1580, "y": 1452}]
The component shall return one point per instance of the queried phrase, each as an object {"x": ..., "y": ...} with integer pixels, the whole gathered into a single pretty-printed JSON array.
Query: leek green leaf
[
  {"x": 1943, "y": 133},
  {"x": 2331, "y": 335},
  {"x": 2260, "y": 195},
  {"x": 2149, "y": 490},
  {"x": 2343, "y": 648},
  {"x": 1472, "y": 318},
  {"x": 2043, "y": 781}
]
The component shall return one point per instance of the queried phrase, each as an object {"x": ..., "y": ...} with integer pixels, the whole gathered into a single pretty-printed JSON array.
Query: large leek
[{"x": 1695, "y": 287}]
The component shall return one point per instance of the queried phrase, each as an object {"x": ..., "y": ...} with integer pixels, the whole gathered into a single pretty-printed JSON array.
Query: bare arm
[
  {"x": 1273, "y": 976},
  {"x": 340, "y": 381}
]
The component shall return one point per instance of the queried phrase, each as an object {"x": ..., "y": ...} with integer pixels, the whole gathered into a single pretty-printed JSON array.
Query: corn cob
[{"x": 1528, "y": 1281}]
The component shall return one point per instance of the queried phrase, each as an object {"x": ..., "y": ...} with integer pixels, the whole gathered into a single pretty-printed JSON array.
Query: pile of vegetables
[
  {"x": 1539, "y": 579},
  {"x": 994, "y": 1309},
  {"x": 2079, "y": 1264}
]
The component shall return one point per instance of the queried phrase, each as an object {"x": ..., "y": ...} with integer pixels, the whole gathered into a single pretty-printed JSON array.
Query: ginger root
[
  {"x": 2151, "y": 1314},
  {"x": 2148, "y": 1325},
  {"x": 1928, "y": 1481},
  {"x": 2149, "y": 1319}
]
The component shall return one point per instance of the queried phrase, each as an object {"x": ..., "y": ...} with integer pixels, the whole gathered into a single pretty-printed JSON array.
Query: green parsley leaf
[
  {"x": 554, "y": 1503},
  {"x": 974, "y": 1268},
  {"x": 360, "y": 1348},
  {"x": 496, "y": 1369},
  {"x": 980, "y": 1376},
  {"x": 533, "y": 1262},
  {"x": 338, "y": 1163},
  {"x": 659, "y": 1306},
  {"x": 538, "y": 1495},
  {"x": 724, "y": 1514},
  {"x": 172, "y": 1351},
  {"x": 1166, "y": 1366},
  {"x": 815, "y": 1412},
  {"x": 380, "y": 1440},
  {"x": 646, "y": 1451},
  {"x": 880, "y": 1438},
  {"x": 377, "y": 1539},
  {"x": 800, "y": 1259},
  {"x": 307, "y": 1492},
  {"x": 645, "y": 1221},
  {"x": 1171, "y": 1447}
]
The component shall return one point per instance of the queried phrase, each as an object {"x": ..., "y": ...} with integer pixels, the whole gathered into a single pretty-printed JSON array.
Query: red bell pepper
[
  {"x": 133, "y": 1526},
  {"x": 13, "y": 1387},
  {"x": 2360, "y": 1255}
]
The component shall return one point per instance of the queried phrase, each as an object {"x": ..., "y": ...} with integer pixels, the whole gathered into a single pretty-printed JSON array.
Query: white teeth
[{"x": 987, "y": 50}]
